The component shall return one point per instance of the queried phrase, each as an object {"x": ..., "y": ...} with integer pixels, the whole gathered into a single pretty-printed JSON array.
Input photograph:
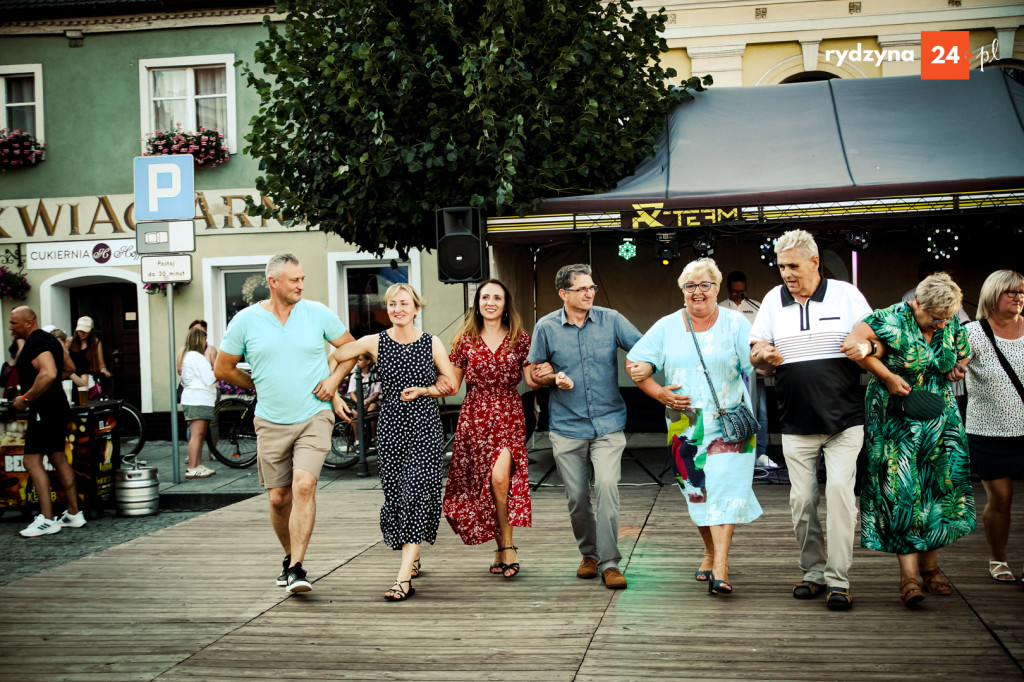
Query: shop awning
[{"x": 821, "y": 149}]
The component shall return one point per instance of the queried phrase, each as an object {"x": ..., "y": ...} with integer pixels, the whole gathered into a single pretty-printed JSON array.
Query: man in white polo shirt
[
  {"x": 797, "y": 334},
  {"x": 283, "y": 339}
]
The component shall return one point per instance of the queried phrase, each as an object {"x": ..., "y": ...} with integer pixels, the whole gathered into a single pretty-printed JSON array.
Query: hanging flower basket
[
  {"x": 13, "y": 285},
  {"x": 161, "y": 287},
  {"x": 207, "y": 146},
  {"x": 19, "y": 149}
]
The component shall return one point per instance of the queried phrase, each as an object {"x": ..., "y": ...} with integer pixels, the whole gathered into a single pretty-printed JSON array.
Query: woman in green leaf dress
[{"x": 917, "y": 494}]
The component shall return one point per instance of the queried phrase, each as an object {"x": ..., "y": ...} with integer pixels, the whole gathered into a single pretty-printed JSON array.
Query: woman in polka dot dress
[{"x": 409, "y": 436}]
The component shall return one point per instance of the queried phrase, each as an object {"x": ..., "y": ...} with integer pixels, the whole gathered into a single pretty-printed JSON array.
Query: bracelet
[{"x": 874, "y": 347}]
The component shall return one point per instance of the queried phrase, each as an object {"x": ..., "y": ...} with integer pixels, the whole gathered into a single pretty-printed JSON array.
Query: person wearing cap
[{"x": 86, "y": 352}]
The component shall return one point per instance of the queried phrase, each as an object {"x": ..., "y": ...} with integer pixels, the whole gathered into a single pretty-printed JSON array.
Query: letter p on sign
[{"x": 165, "y": 187}]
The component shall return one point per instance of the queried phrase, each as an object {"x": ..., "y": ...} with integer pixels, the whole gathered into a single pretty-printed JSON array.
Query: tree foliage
[{"x": 374, "y": 113}]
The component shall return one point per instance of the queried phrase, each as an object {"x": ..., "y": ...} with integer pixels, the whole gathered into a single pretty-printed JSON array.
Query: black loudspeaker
[{"x": 461, "y": 247}]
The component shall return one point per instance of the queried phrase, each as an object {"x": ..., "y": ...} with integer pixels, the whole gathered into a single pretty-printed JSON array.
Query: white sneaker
[
  {"x": 72, "y": 520},
  {"x": 41, "y": 526},
  {"x": 199, "y": 472}
]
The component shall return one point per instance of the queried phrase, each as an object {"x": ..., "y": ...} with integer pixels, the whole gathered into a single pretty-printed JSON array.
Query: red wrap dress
[{"x": 491, "y": 419}]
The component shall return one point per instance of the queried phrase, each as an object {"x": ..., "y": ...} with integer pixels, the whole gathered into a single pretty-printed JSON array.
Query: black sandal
[
  {"x": 497, "y": 569},
  {"x": 514, "y": 566},
  {"x": 416, "y": 569},
  {"x": 396, "y": 593}
]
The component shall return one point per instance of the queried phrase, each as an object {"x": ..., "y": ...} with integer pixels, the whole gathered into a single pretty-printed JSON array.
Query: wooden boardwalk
[{"x": 198, "y": 601}]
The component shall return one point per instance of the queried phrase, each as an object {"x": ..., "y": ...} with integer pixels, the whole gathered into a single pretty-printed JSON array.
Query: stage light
[
  {"x": 942, "y": 243},
  {"x": 627, "y": 249},
  {"x": 704, "y": 245},
  {"x": 857, "y": 239},
  {"x": 667, "y": 253},
  {"x": 767, "y": 249}
]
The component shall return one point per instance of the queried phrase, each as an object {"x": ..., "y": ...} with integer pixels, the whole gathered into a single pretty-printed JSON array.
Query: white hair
[
  {"x": 698, "y": 266},
  {"x": 799, "y": 240}
]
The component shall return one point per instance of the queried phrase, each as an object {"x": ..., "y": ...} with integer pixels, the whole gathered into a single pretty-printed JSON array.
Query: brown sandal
[
  {"x": 910, "y": 592},
  {"x": 935, "y": 582}
]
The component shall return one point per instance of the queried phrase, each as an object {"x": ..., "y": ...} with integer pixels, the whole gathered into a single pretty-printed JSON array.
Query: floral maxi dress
[
  {"x": 917, "y": 493},
  {"x": 409, "y": 442},
  {"x": 491, "y": 419}
]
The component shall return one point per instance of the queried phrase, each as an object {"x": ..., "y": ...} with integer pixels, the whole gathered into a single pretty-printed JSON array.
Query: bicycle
[
  {"x": 231, "y": 437},
  {"x": 344, "y": 452},
  {"x": 131, "y": 427}
]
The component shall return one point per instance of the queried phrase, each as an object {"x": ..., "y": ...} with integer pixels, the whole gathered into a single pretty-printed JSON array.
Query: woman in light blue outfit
[{"x": 714, "y": 476}]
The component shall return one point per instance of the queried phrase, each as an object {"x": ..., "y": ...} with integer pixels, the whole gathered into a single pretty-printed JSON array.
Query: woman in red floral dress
[{"x": 488, "y": 488}]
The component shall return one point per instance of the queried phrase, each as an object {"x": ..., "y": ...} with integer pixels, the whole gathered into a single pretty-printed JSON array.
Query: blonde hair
[
  {"x": 801, "y": 240},
  {"x": 938, "y": 293},
  {"x": 698, "y": 266},
  {"x": 473, "y": 325},
  {"x": 403, "y": 286},
  {"x": 995, "y": 286},
  {"x": 195, "y": 340}
]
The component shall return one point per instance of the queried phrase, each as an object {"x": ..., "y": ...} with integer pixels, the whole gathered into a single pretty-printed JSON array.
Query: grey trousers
[
  {"x": 840, "y": 452},
  {"x": 596, "y": 526}
]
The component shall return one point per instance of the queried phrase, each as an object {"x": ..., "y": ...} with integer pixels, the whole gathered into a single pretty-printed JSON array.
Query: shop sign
[
  {"x": 81, "y": 254},
  {"x": 112, "y": 216}
]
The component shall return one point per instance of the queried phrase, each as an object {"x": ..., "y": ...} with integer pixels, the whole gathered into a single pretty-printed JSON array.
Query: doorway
[{"x": 114, "y": 308}]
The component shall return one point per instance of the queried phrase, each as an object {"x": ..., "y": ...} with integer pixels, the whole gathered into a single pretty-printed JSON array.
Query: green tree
[{"x": 374, "y": 113}]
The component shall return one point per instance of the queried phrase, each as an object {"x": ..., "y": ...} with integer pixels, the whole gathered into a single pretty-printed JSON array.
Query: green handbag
[{"x": 923, "y": 405}]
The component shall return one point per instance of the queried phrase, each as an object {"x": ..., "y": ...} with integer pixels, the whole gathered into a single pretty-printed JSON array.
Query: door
[
  {"x": 114, "y": 309},
  {"x": 365, "y": 285}
]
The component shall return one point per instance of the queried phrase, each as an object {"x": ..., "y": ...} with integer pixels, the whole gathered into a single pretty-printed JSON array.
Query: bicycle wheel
[
  {"x": 131, "y": 430},
  {"x": 343, "y": 452},
  {"x": 232, "y": 436}
]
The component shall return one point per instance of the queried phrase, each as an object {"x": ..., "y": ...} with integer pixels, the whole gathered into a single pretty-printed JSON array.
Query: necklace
[{"x": 711, "y": 321}]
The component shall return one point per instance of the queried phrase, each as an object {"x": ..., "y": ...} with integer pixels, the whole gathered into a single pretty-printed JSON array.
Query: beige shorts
[{"x": 281, "y": 448}]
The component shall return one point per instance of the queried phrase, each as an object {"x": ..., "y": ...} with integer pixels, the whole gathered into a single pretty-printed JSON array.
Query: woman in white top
[
  {"x": 198, "y": 396},
  {"x": 995, "y": 429}
]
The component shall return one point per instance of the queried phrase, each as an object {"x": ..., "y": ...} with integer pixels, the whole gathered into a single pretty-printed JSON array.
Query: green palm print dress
[{"x": 917, "y": 492}]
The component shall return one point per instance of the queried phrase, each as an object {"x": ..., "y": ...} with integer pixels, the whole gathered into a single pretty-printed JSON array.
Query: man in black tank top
[{"x": 41, "y": 367}]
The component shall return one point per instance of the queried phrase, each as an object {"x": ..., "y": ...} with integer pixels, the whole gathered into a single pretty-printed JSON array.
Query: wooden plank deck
[{"x": 197, "y": 601}]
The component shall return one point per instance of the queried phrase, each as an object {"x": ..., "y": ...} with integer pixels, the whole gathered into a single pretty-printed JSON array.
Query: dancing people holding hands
[
  {"x": 488, "y": 489},
  {"x": 995, "y": 430},
  {"x": 917, "y": 495},
  {"x": 413, "y": 368},
  {"x": 714, "y": 476}
]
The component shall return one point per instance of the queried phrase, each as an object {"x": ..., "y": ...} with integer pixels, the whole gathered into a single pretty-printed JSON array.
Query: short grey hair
[
  {"x": 996, "y": 284},
  {"x": 938, "y": 293},
  {"x": 567, "y": 273},
  {"x": 701, "y": 265},
  {"x": 800, "y": 240},
  {"x": 277, "y": 262}
]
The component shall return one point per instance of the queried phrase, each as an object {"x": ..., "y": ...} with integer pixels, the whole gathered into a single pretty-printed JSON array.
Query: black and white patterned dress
[{"x": 409, "y": 443}]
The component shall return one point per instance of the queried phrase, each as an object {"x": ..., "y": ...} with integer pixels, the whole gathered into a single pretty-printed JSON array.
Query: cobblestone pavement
[{"x": 21, "y": 557}]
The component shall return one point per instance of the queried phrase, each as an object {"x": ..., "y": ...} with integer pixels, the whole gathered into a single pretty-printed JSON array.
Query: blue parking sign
[{"x": 165, "y": 187}]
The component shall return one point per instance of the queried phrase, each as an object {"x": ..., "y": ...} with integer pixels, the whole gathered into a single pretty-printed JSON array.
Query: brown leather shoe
[
  {"x": 613, "y": 580},
  {"x": 587, "y": 569}
]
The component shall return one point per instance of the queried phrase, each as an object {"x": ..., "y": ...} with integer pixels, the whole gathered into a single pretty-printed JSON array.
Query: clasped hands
[{"x": 562, "y": 380}]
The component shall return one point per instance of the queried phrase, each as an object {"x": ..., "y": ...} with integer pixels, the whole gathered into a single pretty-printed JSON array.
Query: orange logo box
[{"x": 945, "y": 55}]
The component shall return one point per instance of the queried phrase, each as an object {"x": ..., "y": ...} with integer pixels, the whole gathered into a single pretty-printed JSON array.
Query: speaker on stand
[{"x": 461, "y": 246}]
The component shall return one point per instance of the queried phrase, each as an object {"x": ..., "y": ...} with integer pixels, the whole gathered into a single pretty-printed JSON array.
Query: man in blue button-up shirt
[{"x": 575, "y": 350}]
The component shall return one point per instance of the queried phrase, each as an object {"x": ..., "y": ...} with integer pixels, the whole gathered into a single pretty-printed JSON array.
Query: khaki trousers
[{"x": 840, "y": 451}]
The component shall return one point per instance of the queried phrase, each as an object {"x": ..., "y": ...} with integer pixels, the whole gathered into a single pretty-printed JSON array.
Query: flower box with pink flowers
[
  {"x": 208, "y": 146},
  {"x": 19, "y": 149}
]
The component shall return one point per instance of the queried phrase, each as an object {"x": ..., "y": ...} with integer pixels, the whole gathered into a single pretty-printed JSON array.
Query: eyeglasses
[
  {"x": 1014, "y": 294},
  {"x": 584, "y": 290},
  {"x": 938, "y": 321},
  {"x": 691, "y": 287}
]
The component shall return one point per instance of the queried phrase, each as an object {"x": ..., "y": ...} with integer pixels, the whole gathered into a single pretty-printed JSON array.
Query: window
[
  {"x": 193, "y": 91},
  {"x": 21, "y": 98},
  {"x": 366, "y": 311},
  {"x": 243, "y": 288}
]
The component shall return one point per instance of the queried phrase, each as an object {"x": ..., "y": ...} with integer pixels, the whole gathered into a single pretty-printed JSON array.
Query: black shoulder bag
[
  {"x": 1014, "y": 379},
  {"x": 738, "y": 423}
]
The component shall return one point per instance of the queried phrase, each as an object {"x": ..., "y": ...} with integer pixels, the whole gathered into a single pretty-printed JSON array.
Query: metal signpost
[{"x": 165, "y": 191}]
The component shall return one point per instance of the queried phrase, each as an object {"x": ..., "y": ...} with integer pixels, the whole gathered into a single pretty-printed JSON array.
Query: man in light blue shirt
[
  {"x": 575, "y": 349},
  {"x": 283, "y": 339}
]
